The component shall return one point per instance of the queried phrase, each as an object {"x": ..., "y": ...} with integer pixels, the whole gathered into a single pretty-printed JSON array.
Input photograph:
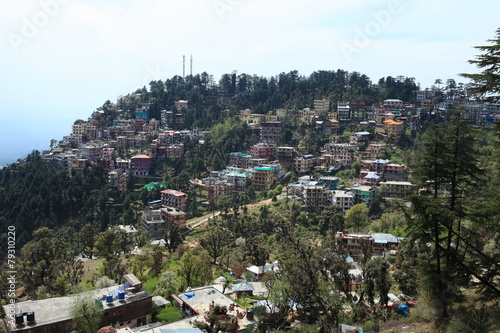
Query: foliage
[
  {"x": 194, "y": 268},
  {"x": 357, "y": 217},
  {"x": 86, "y": 314},
  {"x": 215, "y": 240},
  {"x": 487, "y": 83},
  {"x": 168, "y": 284},
  {"x": 104, "y": 282}
]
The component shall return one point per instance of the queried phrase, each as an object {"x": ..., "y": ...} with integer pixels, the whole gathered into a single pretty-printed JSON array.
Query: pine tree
[{"x": 487, "y": 83}]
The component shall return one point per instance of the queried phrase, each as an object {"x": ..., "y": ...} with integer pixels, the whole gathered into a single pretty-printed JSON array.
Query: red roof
[
  {"x": 142, "y": 156},
  {"x": 173, "y": 192}
]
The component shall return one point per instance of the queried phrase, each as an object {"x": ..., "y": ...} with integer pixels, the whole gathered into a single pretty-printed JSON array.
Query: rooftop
[{"x": 57, "y": 309}]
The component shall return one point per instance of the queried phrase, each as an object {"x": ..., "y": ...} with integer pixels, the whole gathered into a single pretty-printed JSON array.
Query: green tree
[
  {"x": 447, "y": 168},
  {"x": 377, "y": 281},
  {"x": 331, "y": 219},
  {"x": 140, "y": 263},
  {"x": 487, "y": 83},
  {"x": 194, "y": 268},
  {"x": 357, "y": 217},
  {"x": 168, "y": 284},
  {"x": 173, "y": 237},
  {"x": 110, "y": 243},
  {"x": 215, "y": 240},
  {"x": 86, "y": 314}
]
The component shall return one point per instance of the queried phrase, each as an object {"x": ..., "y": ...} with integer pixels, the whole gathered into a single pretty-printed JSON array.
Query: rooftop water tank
[
  {"x": 19, "y": 319},
  {"x": 121, "y": 295},
  {"x": 30, "y": 316},
  {"x": 109, "y": 298}
]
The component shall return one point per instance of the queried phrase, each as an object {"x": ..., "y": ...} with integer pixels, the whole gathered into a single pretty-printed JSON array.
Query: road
[{"x": 202, "y": 219}]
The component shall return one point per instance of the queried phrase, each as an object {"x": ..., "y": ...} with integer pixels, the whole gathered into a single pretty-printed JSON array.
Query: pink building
[
  {"x": 141, "y": 164},
  {"x": 262, "y": 150}
]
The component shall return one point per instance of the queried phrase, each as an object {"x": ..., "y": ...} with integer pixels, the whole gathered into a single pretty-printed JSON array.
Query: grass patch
[
  {"x": 257, "y": 298},
  {"x": 243, "y": 302},
  {"x": 150, "y": 285},
  {"x": 169, "y": 314},
  {"x": 89, "y": 268}
]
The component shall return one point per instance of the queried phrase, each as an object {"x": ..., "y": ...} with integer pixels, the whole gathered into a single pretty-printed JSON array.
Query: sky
[{"x": 61, "y": 59}]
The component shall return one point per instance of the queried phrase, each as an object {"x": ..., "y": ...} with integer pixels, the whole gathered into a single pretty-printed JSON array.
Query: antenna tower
[{"x": 184, "y": 66}]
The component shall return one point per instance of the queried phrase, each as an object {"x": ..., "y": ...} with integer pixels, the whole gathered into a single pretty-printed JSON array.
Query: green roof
[{"x": 153, "y": 186}]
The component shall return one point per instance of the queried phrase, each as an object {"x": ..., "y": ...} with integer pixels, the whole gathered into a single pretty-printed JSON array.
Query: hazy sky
[{"x": 60, "y": 59}]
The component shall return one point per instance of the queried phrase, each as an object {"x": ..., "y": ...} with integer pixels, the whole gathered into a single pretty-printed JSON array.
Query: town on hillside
[{"x": 266, "y": 221}]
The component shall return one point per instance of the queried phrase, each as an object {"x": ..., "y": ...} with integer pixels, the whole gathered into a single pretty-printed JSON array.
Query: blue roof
[{"x": 265, "y": 168}]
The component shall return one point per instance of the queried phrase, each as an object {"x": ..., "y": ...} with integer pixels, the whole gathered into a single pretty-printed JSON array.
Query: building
[
  {"x": 270, "y": 131},
  {"x": 395, "y": 189},
  {"x": 141, "y": 164},
  {"x": 52, "y": 315},
  {"x": 181, "y": 104},
  {"x": 365, "y": 194},
  {"x": 129, "y": 230},
  {"x": 395, "y": 172},
  {"x": 173, "y": 198},
  {"x": 285, "y": 155},
  {"x": 153, "y": 223},
  {"x": 344, "y": 199},
  {"x": 305, "y": 163},
  {"x": 262, "y": 150},
  {"x": 322, "y": 105},
  {"x": 316, "y": 195},
  {"x": 218, "y": 189},
  {"x": 257, "y": 273},
  {"x": 343, "y": 112},
  {"x": 174, "y": 215},
  {"x": 263, "y": 178}
]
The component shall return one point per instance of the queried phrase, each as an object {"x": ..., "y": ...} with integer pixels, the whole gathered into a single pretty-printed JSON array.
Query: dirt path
[{"x": 199, "y": 221}]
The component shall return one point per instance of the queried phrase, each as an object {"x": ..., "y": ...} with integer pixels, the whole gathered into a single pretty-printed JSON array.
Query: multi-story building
[
  {"x": 316, "y": 195},
  {"x": 174, "y": 215},
  {"x": 322, "y": 105},
  {"x": 395, "y": 189},
  {"x": 305, "y": 163},
  {"x": 239, "y": 160},
  {"x": 142, "y": 114},
  {"x": 141, "y": 164},
  {"x": 345, "y": 199},
  {"x": 270, "y": 131},
  {"x": 238, "y": 178},
  {"x": 373, "y": 151},
  {"x": 262, "y": 150},
  {"x": 173, "y": 198},
  {"x": 285, "y": 155},
  {"x": 365, "y": 194},
  {"x": 90, "y": 152},
  {"x": 123, "y": 164},
  {"x": 118, "y": 179},
  {"x": 395, "y": 172},
  {"x": 357, "y": 245},
  {"x": 343, "y": 112},
  {"x": 153, "y": 223},
  {"x": 181, "y": 104},
  {"x": 218, "y": 189},
  {"x": 263, "y": 178},
  {"x": 78, "y": 164},
  {"x": 378, "y": 165},
  {"x": 344, "y": 153},
  {"x": 357, "y": 111}
]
